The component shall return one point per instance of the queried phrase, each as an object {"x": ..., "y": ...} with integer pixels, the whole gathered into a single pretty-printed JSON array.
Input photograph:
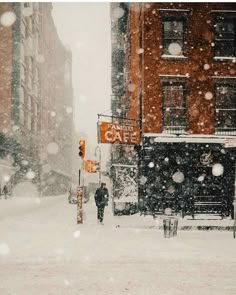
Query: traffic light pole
[
  {"x": 79, "y": 177},
  {"x": 100, "y": 162}
]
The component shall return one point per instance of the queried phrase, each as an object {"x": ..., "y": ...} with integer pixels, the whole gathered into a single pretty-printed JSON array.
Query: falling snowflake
[
  {"x": 140, "y": 50},
  {"x": 208, "y": 95},
  {"x": 175, "y": 49},
  {"x": 53, "y": 113},
  {"x": 4, "y": 249},
  {"x": 30, "y": 174},
  {"x": 117, "y": 13},
  {"x": 66, "y": 282},
  {"x": 131, "y": 87},
  {"x": 178, "y": 177},
  {"x": 151, "y": 165},
  {"x": 201, "y": 178},
  {"x": 8, "y": 18},
  {"x": 217, "y": 169},
  {"x": 76, "y": 234},
  {"x": 143, "y": 180},
  {"x": 69, "y": 110},
  {"x": 206, "y": 67}
]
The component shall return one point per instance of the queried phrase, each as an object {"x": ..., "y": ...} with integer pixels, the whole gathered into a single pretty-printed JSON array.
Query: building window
[
  {"x": 35, "y": 117},
  {"x": 173, "y": 107},
  {"x": 225, "y": 37},
  {"x": 30, "y": 104},
  {"x": 21, "y": 114},
  {"x": 22, "y": 72},
  {"x": 173, "y": 36},
  {"x": 225, "y": 115},
  {"x": 22, "y": 95}
]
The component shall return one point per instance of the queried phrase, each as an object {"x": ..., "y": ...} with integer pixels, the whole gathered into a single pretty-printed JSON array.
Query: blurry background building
[{"x": 36, "y": 96}]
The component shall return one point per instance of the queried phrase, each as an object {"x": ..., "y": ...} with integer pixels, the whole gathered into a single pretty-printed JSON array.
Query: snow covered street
[{"x": 44, "y": 251}]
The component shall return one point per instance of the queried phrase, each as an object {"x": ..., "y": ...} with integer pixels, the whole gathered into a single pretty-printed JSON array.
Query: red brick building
[{"x": 181, "y": 86}]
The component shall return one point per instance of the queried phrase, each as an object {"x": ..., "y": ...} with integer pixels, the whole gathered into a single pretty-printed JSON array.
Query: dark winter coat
[
  {"x": 5, "y": 190},
  {"x": 101, "y": 197}
]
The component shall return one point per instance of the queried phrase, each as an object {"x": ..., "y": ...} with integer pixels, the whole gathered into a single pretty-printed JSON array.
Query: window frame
[
  {"x": 172, "y": 19},
  {"x": 174, "y": 129},
  {"x": 222, "y": 129},
  {"x": 217, "y": 19}
]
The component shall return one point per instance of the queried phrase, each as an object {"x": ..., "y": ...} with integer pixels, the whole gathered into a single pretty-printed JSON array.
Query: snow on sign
[
  {"x": 118, "y": 133},
  {"x": 230, "y": 142}
]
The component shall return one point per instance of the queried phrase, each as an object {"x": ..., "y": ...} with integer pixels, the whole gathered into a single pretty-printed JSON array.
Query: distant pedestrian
[
  {"x": 101, "y": 199},
  {"x": 5, "y": 191}
]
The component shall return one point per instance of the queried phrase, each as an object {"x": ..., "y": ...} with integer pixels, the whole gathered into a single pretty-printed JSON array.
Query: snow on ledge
[
  {"x": 172, "y": 9},
  {"x": 223, "y": 11},
  {"x": 194, "y": 138},
  {"x": 174, "y": 56},
  {"x": 174, "y": 76},
  {"x": 223, "y": 77},
  {"x": 224, "y": 58}
]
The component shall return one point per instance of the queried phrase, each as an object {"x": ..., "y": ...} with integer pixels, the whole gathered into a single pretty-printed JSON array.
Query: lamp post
[{"x": 98, "y": 150}]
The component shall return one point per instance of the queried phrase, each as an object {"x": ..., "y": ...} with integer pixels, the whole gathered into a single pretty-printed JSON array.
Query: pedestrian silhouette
[
  {"x": 5, "y": 191},
  {"x": 101, "y": 199}
]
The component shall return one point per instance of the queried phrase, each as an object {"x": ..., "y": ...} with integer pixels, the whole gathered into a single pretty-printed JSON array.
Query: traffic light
[
  {"x": 82, "y": 148},
  {"x": 97, "y": 166}
]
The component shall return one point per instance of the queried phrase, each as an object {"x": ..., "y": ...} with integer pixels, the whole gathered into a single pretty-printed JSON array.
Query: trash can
[{"x": 170, "y": 226}]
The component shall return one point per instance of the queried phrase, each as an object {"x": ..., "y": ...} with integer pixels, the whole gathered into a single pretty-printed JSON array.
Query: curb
[{"x": 183, "y": 227}]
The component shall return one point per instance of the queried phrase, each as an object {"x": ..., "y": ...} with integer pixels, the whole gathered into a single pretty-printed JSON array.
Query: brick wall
[
  {"x": 5, "y": 72},
  {"x": 199, "y": 52}
]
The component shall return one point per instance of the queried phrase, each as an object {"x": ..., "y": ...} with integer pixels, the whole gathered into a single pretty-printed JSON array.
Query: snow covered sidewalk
[
  {"x": 44, "y": 251},
  {"x": 201, "y": 222}
]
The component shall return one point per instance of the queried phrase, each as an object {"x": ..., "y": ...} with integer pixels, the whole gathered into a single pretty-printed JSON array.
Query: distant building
[
  {"x": 181, "y": 85},
  {"x": 36, "y": 94}
]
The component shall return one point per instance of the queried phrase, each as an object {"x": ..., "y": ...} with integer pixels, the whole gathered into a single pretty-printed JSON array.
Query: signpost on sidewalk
[
  {"x": 234, "y": 226},
  {"x": 79, "y": 205}
]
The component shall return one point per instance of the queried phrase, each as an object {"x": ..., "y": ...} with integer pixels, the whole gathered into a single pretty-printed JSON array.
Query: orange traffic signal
[{"x": 82, "y": 148}]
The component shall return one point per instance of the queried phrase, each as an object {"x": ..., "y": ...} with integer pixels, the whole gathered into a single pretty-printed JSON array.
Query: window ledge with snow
[
  {"x": 173, "y": 56},
  {"x": 231, "y": 58}
]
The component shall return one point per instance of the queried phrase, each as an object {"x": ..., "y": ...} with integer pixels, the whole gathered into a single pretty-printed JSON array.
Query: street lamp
[{"x": 98, "y": 150}]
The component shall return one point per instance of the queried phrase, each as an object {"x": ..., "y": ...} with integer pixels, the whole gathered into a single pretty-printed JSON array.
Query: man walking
[
  {"x": 101, "y": 199},
  {"x": 5, "y": 191}
]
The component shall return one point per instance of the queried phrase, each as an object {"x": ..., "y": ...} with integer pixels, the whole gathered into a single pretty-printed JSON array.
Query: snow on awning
[{"x": 189, "y": 138}]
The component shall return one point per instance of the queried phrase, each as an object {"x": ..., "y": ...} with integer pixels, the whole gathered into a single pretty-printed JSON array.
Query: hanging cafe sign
[{"x": 109, "y": 132}]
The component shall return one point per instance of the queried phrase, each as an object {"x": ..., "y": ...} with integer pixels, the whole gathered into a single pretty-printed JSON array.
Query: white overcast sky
[{"x": 85, "y": 28}]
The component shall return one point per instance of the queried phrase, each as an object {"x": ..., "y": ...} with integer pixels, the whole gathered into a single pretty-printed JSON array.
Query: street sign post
[
  {"x": 79, "y": 205},
  {"x": 90, "y": 166}
]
